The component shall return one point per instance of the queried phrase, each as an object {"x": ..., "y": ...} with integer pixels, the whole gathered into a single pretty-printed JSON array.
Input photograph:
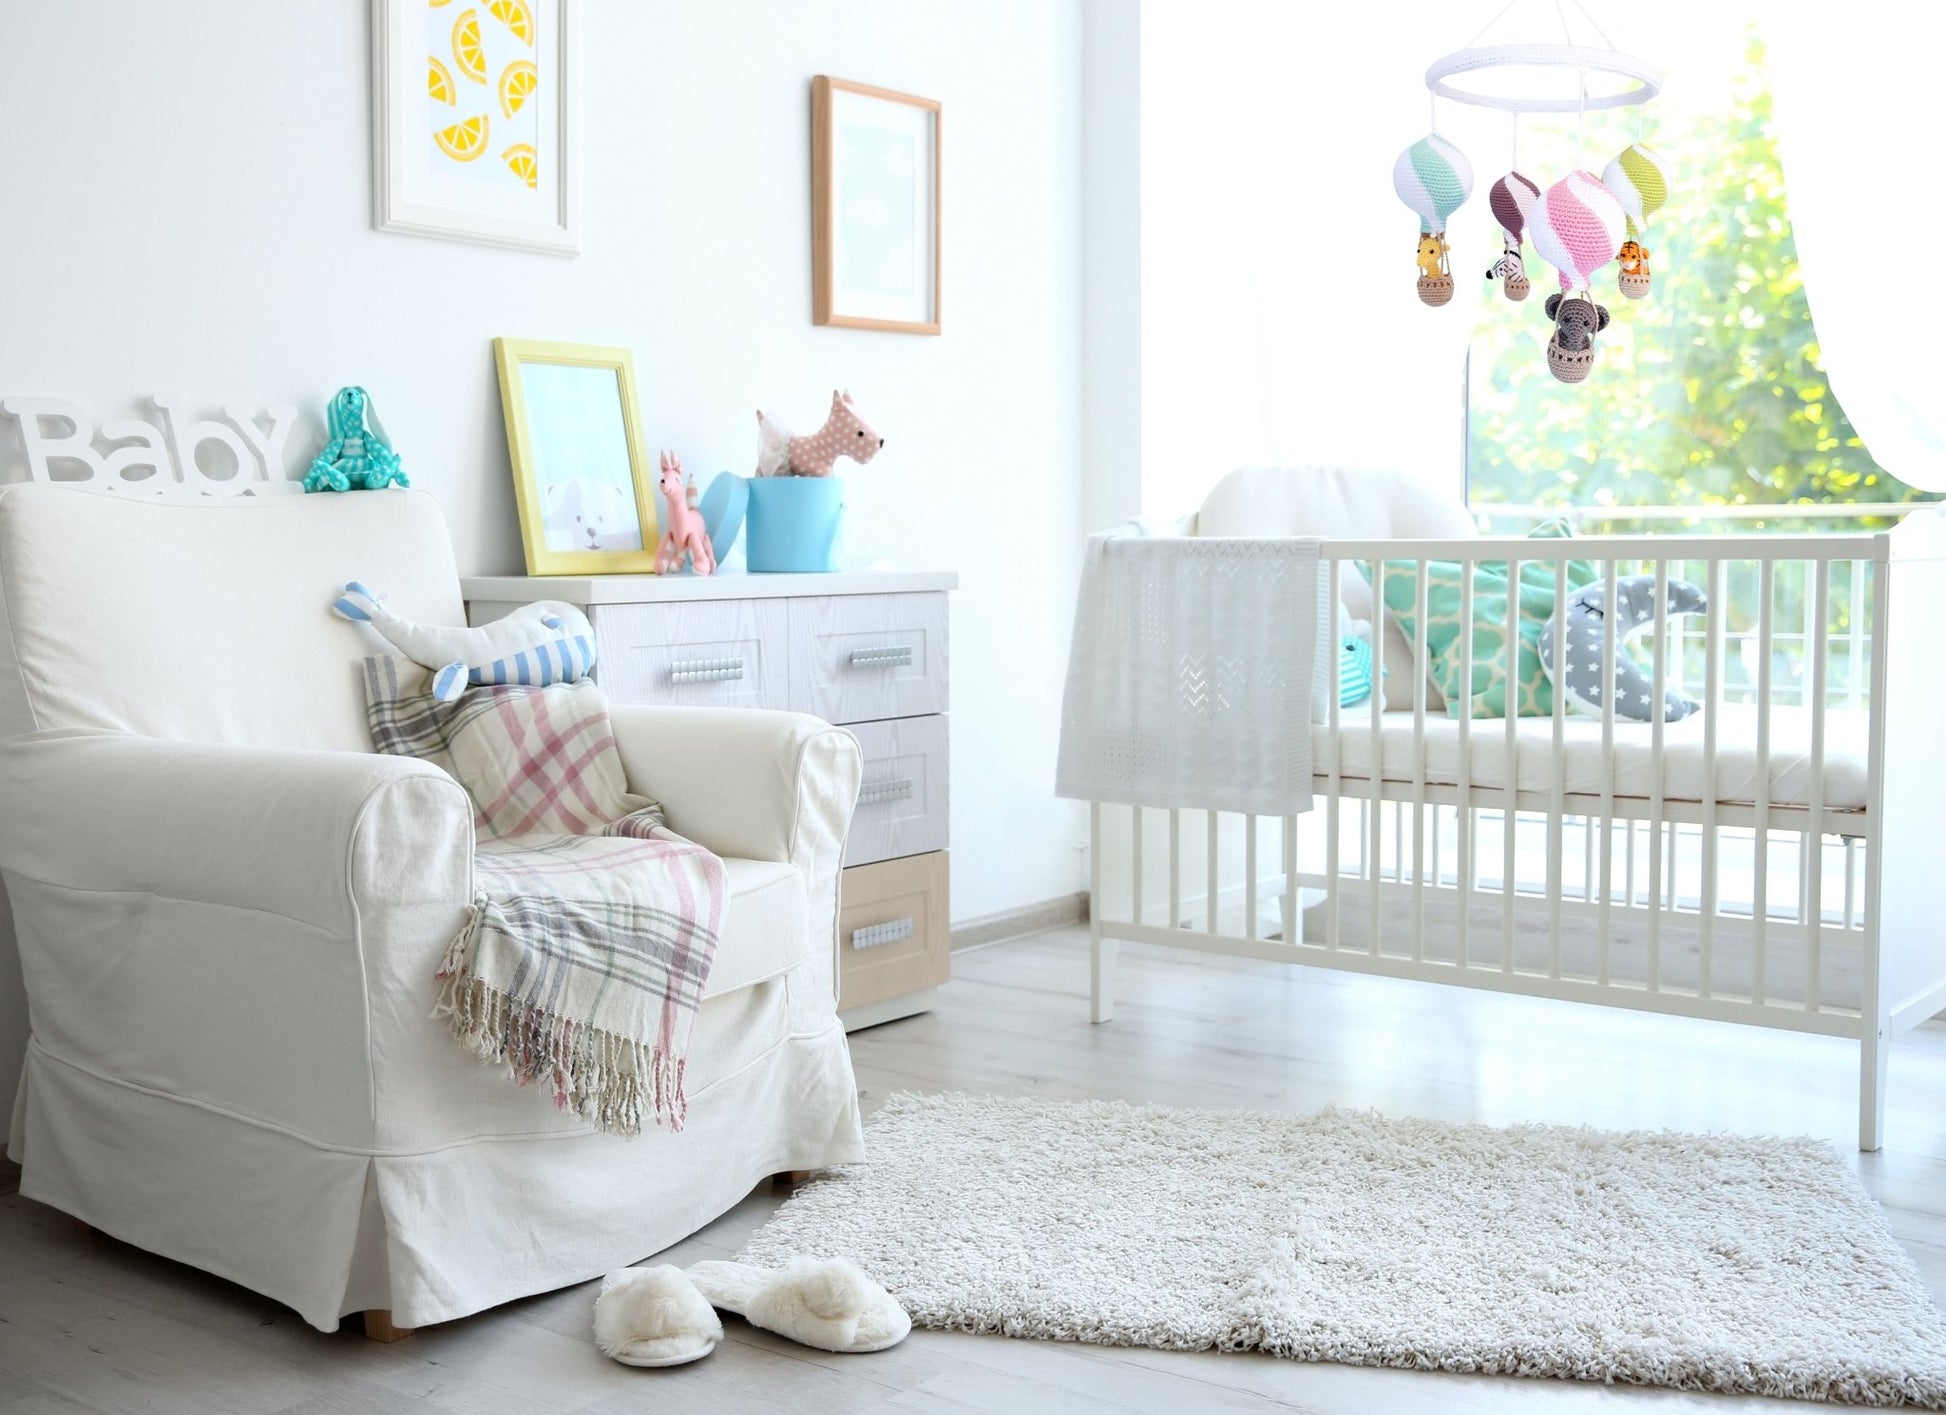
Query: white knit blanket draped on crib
[{"x": 1193, "y": 672}]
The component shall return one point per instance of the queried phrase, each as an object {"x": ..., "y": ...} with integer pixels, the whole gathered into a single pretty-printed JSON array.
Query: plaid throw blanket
[{"x": 583, "y": 959}]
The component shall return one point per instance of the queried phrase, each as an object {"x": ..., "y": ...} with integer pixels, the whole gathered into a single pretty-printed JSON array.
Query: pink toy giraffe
[
  {"x": 844, "y": 434},
  {"x": 685, "y": 537}
]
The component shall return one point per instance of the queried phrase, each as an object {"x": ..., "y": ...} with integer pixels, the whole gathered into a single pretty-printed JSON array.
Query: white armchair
[{"x": 229, "y": 909}]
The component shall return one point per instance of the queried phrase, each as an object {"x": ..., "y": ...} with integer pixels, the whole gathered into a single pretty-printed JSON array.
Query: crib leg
[
  {"x": 1101, "y": 975},
  {"x": 1872, "y": 1054}
]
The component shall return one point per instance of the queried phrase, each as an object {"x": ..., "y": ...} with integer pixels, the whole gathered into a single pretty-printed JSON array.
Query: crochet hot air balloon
[
  {"x": 1576, "y": 226},
  {"x": 1637, "y": 181},
  {"x": 1511, "y": 198},
  {"x": 1433, "y": 178}
]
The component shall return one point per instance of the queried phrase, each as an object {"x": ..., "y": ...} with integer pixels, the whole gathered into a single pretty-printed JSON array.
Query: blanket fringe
[{"x": 608, "y": 1079}]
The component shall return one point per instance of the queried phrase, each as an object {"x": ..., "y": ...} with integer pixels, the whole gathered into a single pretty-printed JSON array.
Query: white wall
[{"x": 189, "y": 209}]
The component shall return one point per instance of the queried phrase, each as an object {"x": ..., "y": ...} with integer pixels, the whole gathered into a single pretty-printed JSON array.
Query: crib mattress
[{"x": 1737, "y": 775}]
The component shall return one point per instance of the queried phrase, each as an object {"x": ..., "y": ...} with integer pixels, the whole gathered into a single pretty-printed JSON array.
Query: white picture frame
[
  {"x": 503, "y": 171},
  {"x": 875, "y": 208}
]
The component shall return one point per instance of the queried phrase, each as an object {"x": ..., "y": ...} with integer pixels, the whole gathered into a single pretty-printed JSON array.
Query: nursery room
[{"x": 1037, "y": 705}]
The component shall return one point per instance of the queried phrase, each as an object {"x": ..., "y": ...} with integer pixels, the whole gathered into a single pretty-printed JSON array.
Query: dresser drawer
[
  {"x": 893, "y": 937},
  {"x": 902, "y": 799},
  {"x": 862, "y": 658},
  {"x": 713, "y": 653}
]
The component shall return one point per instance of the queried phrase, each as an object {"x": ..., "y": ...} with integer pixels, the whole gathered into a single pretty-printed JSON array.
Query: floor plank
[{"x": 89, "y": 1324}]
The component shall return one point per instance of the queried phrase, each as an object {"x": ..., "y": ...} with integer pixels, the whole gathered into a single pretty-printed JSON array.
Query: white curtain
[{"x": 1859, "y": 118}]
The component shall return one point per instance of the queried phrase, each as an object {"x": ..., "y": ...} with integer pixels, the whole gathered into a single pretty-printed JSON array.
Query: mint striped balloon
[{"x": 1434, "y": 179}]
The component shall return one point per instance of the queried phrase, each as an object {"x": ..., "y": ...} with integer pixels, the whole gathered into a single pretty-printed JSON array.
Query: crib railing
[{"x": 1549, "y": 855}]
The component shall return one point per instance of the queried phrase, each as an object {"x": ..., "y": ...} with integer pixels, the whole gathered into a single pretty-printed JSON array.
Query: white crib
[{"x": 1776, "y": 860}]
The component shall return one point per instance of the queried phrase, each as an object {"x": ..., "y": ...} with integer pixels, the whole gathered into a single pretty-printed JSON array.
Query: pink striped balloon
[{"x": 1577, "y": 227}]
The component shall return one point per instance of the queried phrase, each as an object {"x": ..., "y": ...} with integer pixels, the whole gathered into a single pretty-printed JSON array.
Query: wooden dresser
[{"x": 866, "y": 651}]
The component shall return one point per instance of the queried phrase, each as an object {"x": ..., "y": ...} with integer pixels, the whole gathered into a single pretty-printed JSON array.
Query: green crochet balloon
[{"x": 356, "y": 458}]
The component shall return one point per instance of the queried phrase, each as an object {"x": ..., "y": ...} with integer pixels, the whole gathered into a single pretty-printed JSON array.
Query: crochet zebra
[
  {"x": 355, "y": 459},
  {"x": 537, "y": 645}
]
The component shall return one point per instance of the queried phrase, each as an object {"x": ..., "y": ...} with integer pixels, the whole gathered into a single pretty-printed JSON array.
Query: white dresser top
[{"x": 651, "y": 589}]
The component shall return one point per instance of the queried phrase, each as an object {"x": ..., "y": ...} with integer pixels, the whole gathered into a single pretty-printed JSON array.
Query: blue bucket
[{"x": 792, "y": 524}]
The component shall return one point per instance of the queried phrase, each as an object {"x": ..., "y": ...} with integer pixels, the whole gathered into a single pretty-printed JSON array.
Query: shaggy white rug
[{"x": 1716, "y": 1263}]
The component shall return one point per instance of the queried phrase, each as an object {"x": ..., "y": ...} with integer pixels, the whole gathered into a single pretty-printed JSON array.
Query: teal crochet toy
[{"x": 355, "y": 459}]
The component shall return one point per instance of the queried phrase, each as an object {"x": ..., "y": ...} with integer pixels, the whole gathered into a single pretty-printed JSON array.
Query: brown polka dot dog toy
[{"x": 844, "y": 434}]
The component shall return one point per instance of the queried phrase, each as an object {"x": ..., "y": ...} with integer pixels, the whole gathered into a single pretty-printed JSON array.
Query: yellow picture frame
[{"x": 558, "y": 510}]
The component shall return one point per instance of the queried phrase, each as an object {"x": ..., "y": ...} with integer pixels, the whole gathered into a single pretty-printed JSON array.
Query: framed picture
[
  {"x": 581, "y": 479},
  {"x": 473, "y": 123},
  {"x": 874, "y": 208}
]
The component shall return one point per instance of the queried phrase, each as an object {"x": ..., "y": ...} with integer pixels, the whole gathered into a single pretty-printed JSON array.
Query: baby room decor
[
  {"x": 473, "y": 131},
  {"x": 875, "y": 208},
  {"x": 581, "y": 478},
  {"x": 537, "y": 644},
  {"x": 1583, "y": 668},
  {"x": 686, "y": 539},
  {"x": 722, "y": 507},
  {"x": 1434, "y": 179},
  {"x": 1637, "y": 180},
  {"x": 356, "y": 458},
  {"x": 845, "y": 434},
  {"x": 1511, "y": 199},
  {"x": 1577, "y": 228},
  {"x": 159, "y": 458}
]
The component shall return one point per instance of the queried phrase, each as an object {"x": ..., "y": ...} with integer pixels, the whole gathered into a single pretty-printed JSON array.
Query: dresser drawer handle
[
  {"x": 877, "y": 793},
  {"x": 705, "y": 670},
  {"x": 875, "y": 935},
  {"x": 895, "y": 656}
]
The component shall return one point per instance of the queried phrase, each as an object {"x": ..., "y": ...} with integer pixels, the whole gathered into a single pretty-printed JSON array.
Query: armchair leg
[
  {"x": 791, "y": 1178},
  {"x": 378, "y": 1326}
]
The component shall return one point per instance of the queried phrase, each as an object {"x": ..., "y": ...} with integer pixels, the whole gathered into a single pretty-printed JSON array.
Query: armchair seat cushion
[{"x": 764, "y": 927}]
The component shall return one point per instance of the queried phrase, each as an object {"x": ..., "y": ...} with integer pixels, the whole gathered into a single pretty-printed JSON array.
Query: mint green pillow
[{"x": 1483, "y": 683}]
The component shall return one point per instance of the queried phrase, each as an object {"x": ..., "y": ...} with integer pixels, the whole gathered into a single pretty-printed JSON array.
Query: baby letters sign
[{"x": 174, "y": 455}]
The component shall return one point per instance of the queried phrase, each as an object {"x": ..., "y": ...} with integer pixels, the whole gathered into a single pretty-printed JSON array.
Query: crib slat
[
  {"x": 1135, "y": 874},
  {"x": 1250, "y": 875},
  {"x": 1422, "y": 665},
  {"x": 1760, "y": 859},
  {"x": 1375, "y": 818},
  {"x": 1293, "y": 925},
  {"x": 1463, "y": 876},
  {"x": 1657, "y": 711},
  {"x": 1557, "y": 765},
  {"x": 1175, "y": 918},
  {"x": 1212, "y": 857},
  {"x": 1712, "y": 711},
  {"x": 1604, "y": 934},
  {"x": 1814, "y": 850},
  {"x": 1334, "y": 804},
  {"x": 1510, "y": 781}
]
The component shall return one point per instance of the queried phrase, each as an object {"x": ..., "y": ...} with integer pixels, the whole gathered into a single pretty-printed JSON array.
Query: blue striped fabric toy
[{"x": 537, "y": 645}]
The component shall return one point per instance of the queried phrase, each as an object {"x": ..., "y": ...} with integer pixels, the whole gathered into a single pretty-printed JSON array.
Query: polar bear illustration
[{"x": 582, "y": 513}]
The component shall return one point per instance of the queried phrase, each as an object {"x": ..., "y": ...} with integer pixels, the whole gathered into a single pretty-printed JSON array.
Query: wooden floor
[{"x": 89, "y": 1324}]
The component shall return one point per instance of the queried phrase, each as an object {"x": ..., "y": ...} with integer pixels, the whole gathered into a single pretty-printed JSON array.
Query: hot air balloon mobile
[
  {"x": 1636, "y": 179},
  {"x": 1434, "y": 179},
  {"x": 1576, "y": 226},
  {"x": 1511, "y": 198}
]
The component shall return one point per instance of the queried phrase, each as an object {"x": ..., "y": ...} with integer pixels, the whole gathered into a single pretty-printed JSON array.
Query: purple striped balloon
[{"x": 1511, "y": 199}]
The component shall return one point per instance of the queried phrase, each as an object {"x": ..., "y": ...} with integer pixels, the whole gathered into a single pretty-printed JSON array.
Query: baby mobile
[{"x": 1578, "y": 224}]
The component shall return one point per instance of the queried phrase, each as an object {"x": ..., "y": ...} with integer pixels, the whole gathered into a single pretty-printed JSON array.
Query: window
[{"x": 1708, "y": 406}]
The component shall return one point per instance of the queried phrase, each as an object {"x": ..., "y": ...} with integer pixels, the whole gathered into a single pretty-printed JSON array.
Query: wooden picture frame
[
  {"x": 875, "y": 208},
  {"x": 582, "y": 481},
  {"x": 474, "y": 126}
]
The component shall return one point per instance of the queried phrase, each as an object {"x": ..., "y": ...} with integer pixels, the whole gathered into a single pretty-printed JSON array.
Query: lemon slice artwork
[
  {"x": 439, "y": 82},
  {"x": 515, "y": 15},
  {"x": 521, "y": 162},
  {"x": 517, "y": 84},
  {"x": 463, "y": 141},
  {"x": 469, "y": 50}
]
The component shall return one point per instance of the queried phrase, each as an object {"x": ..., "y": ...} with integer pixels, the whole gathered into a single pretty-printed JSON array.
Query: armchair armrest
[
  {"x": 274, "y": 829},
  {"x": 754, "y": 784}
]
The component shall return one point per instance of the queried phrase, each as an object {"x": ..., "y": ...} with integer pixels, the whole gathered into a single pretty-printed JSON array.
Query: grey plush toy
[
  {"x": 1581, "y": 678},
  {"x": 1571, "y": 348}
]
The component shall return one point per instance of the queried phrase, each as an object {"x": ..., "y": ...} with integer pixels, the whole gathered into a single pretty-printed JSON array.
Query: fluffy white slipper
[
  {"x": 828, "y": 1303},
  {"x": 654, "y": 1317}
]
